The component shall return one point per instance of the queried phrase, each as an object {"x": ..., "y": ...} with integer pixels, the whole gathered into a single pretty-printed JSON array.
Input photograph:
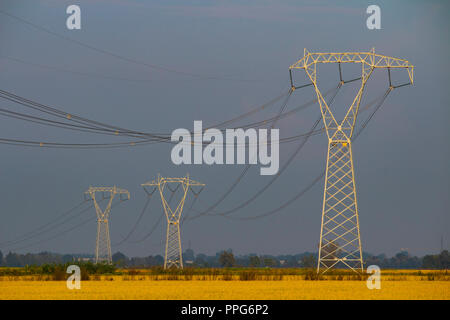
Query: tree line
[{"x": 226, "y": 258}]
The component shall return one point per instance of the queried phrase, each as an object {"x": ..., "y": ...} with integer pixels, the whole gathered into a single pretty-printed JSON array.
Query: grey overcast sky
[{"x": 401, "y": 159}]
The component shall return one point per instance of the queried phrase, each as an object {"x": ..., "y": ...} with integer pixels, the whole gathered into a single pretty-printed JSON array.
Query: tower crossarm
[
  {"x": 195, "y": 183},
  {"x": 342, "y": 131},
  {"x": 370, "y": 59},
  {"x": 102, "y": 215},
  {"x": 173, "y": 180},
  {"x": 112, "y": 190},
  {"x": 173, "y": 215},
  {"x": 150, "y": 183}
]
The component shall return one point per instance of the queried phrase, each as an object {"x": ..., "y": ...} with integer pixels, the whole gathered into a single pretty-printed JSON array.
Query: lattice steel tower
[
  {"x": 173, "y": 256},
  {"x": 103, "y": 243},
  {"x": 340, "y": 241}
]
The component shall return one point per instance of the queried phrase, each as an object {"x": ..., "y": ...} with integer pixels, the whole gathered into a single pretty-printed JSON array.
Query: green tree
[
  {"x": 308, "y": 261},
  {"x": 119, "y": 259},
  {"x": 269, "y": 262},
  {"x": 12, "y": 260},
  {"x": 437, "y": 261},
  {"x": 254, "y": 261},
  {"x": 226, "y": 259}
]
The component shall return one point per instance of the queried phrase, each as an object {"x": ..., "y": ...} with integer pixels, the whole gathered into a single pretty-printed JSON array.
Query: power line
[
  {"x": 51, "y": 227},
  {"x": 99, "y": 127},
  {"x": 79, "y": 73},
  {"x": 56, "y": 235},
  {"x": 53, "y": 123},
  {"x": 46, "y": 144},
  {"x": 45, "y": 225},
  {"x": 94, "y": 125},
  {"x": 319, "y": 177},
  {"x": 290, "y": 201},
  {"x": 111, "y": 130},
  {"x": 286, "y": 165},
  {"x": 162, "y": 214},
  {"x": 256, "y": 195},
  {"x": 244, "y": 172},
  {"x": 306, "y": 137},
  {"x": 64, "y": 232},
  {"x": 151, "y": 230},
  {"x": 133, "y": 229},
  {"x": 380, "y": 102},
  {"x": 122, "y": 57},
  {"x": 191, "y": 206},
  {"x": 274, "y": 211}
]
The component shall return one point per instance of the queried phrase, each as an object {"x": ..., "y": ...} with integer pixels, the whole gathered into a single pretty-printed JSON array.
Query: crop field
[{"x": 230, "y": 284}]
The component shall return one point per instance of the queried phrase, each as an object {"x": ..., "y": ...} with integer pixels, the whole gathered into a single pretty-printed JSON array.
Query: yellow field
[{"x": 117, "y": 288}]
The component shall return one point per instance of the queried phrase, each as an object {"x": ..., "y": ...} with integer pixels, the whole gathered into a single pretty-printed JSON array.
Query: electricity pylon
[
  {"x": 103, "y": 243},
  {"x": 340, "y": 241},
  {"x": 173, "y": 256}
]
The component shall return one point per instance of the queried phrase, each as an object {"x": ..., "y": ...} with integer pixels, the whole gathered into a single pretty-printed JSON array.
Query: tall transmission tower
[
  {"x": 340, "y": 241},
  {"x": 173, "y": 254},
  {"x": 103, "y": 243}
]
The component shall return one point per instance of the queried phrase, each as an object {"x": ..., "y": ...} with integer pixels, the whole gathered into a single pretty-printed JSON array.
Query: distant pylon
[
  {"x": 340, "y": 241},
  {"x": 173, "y": 254},
  {"x": 103, "y": 243}
]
